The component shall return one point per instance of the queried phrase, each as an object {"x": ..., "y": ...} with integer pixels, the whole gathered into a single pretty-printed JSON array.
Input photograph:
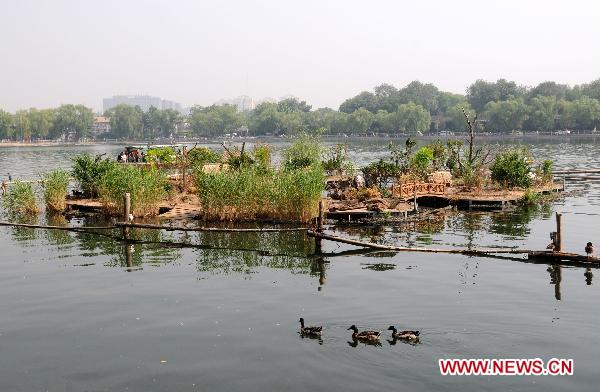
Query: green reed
[
  {"x": 55, "y": 184},
  {"x": 147, "y": 187},
  {"x": 20, "y": 199},
  {"x": 253, "y": 193}
]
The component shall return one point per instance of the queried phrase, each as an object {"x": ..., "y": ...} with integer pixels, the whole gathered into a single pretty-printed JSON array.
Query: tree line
[{"x": 418, "y": 108}]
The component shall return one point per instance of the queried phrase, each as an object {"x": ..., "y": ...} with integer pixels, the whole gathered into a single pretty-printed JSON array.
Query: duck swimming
[
  {"x": 366, "y": 336},
  {"x": 404, "y": 335},
  {"x": 313, "y": 331}
]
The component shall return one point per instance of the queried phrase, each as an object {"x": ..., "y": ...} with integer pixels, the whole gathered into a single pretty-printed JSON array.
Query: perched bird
[
  {"x": 365, "y": 336},
  {"x": 589, "y": 249},
  {"x": 313, "y": 331},
  {"x": 551, "y": 246},
  {"x": 130, "y": 217},
  {"x": 404, "y": 335}
]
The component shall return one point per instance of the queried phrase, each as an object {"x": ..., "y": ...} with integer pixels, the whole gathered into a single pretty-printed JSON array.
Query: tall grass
[
  {"x": 55, "y": 184},
  {"x": 251, "y": 194},
  {"x": 147, "y": 187},
  {"x": 20, "y": 199}
]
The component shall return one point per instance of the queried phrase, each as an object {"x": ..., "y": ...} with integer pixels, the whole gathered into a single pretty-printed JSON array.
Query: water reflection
[
  {"x": 588, "y": 276},
  {"x": 555, "y": 279}
]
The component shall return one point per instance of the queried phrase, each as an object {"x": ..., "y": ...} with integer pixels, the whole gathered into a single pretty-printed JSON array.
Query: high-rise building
[{"x": 143, "y": 101}]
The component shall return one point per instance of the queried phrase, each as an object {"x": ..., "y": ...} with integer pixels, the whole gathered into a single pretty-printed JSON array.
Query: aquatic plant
[
  {"x": 20, "y": 199},
  {"x": 251, "y": 193},
  {"x": 512, "y": 168},
  {"x": 55, "y": 184},
  {"x": 147, "y": 187},
  {"x": 88, "y": 171}
]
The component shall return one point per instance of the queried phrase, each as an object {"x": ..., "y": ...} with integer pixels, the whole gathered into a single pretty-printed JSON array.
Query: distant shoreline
[{"x": 336, "y": 138}]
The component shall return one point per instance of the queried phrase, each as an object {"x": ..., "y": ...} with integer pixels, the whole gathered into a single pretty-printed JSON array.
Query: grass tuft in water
[
  {"x": 147, "y": 187},
  {"x": 55, "y": 184},
  {"x": 20, "y": 199}
]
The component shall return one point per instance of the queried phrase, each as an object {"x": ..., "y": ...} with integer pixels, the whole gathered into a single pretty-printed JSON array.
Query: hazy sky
[{"x": 197, "y": 52}]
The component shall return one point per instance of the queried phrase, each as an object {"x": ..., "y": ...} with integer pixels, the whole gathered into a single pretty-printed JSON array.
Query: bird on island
[
  {"x": 404, "y": 335},
  {"x": 311, "y": 331},
  {"x": 130, "y": 217},
  {"x": 589, "y": 249},
  {"x": 364, "y": 336}
]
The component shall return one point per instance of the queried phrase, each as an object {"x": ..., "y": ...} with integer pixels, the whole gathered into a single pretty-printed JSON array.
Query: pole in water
[
  {"x": 558, "y": 242},
  {"x": 318, "y": 241},
  {"x": 126, "y": 213},
  {"x": 564, "y": 184}
]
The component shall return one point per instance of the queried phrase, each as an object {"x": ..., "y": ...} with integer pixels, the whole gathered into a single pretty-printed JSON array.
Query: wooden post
[
  {"x": 558, "y": 244},
  {"x": 126, "y": 213},
  {"x": 564, "y": 184},
  {"x": 415, "y": 197},
  {"x": 318, "y": 241},
  {"x": 184, "y": 160}
]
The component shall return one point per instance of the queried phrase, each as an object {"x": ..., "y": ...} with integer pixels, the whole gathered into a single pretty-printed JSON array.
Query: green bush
[
  {"x": 20, "y": 199},
  {"x": 88, "y": 172},
  {"x": 512, "y": 168},
  {"x": 147, "y": 187},
  {"x": 161, "y": 155},
  {"x": 379, "y": 173},
  {"x": 199, "y": 156},
  {"x": 55, "y": 184},
  {"x": 262, "y": 156},
  {"x": 304, "y": 152},
  {"x": 546, "y": 169},
  {"x": 421, "y": 160},
  {"x": 337, "y": 160}
]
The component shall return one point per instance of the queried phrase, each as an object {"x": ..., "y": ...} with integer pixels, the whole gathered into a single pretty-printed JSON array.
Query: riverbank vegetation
[
  {"x": 417, "y": 108},
  {"x": 20, "y": 200},
  {"x": 55, "y": 185},
  {"x": 251, "y": 189},
  {"x": 107, "y": 180}
]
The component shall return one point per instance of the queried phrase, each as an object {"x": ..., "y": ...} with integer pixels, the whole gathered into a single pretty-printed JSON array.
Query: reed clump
[
  {"x": 147, "y": 187},
  {"x": 55, "y": 184},
  {"x": 252, "y": 191},
  {"x": 20, "y": 199}
]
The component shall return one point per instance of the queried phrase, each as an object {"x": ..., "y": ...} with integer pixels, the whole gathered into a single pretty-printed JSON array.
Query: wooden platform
[
  {"x": 181, "y": 211},
  {"x": 84, "y": 204}
]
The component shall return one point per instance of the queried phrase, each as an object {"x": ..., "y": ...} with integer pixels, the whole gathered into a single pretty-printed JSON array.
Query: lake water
[{"x": 84, "y": 313}]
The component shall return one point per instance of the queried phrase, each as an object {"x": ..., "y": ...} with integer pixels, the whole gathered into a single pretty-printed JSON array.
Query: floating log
[
  {"x": 557, "y": 256},
  {"x": 472, "y": 252},
  {"x": 211, "y": 229},
  {"x": 66, "y": 228},
  {"x": 577, "y": 171}
]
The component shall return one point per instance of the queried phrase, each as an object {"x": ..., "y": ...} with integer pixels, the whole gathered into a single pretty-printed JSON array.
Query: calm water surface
[{"x": 85, "y": 313}]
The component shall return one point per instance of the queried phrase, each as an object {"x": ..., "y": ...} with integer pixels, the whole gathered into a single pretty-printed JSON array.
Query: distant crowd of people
[{"x": 131, "y": 155}]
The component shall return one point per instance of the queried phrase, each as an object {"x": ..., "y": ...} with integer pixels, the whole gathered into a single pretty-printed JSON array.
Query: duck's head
[
  {"x": 392, "y": 328},
  {"x": 353, "y": 328},
  {"x": 301, "y": 321},
  {"x": 589, "y": 244}
]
